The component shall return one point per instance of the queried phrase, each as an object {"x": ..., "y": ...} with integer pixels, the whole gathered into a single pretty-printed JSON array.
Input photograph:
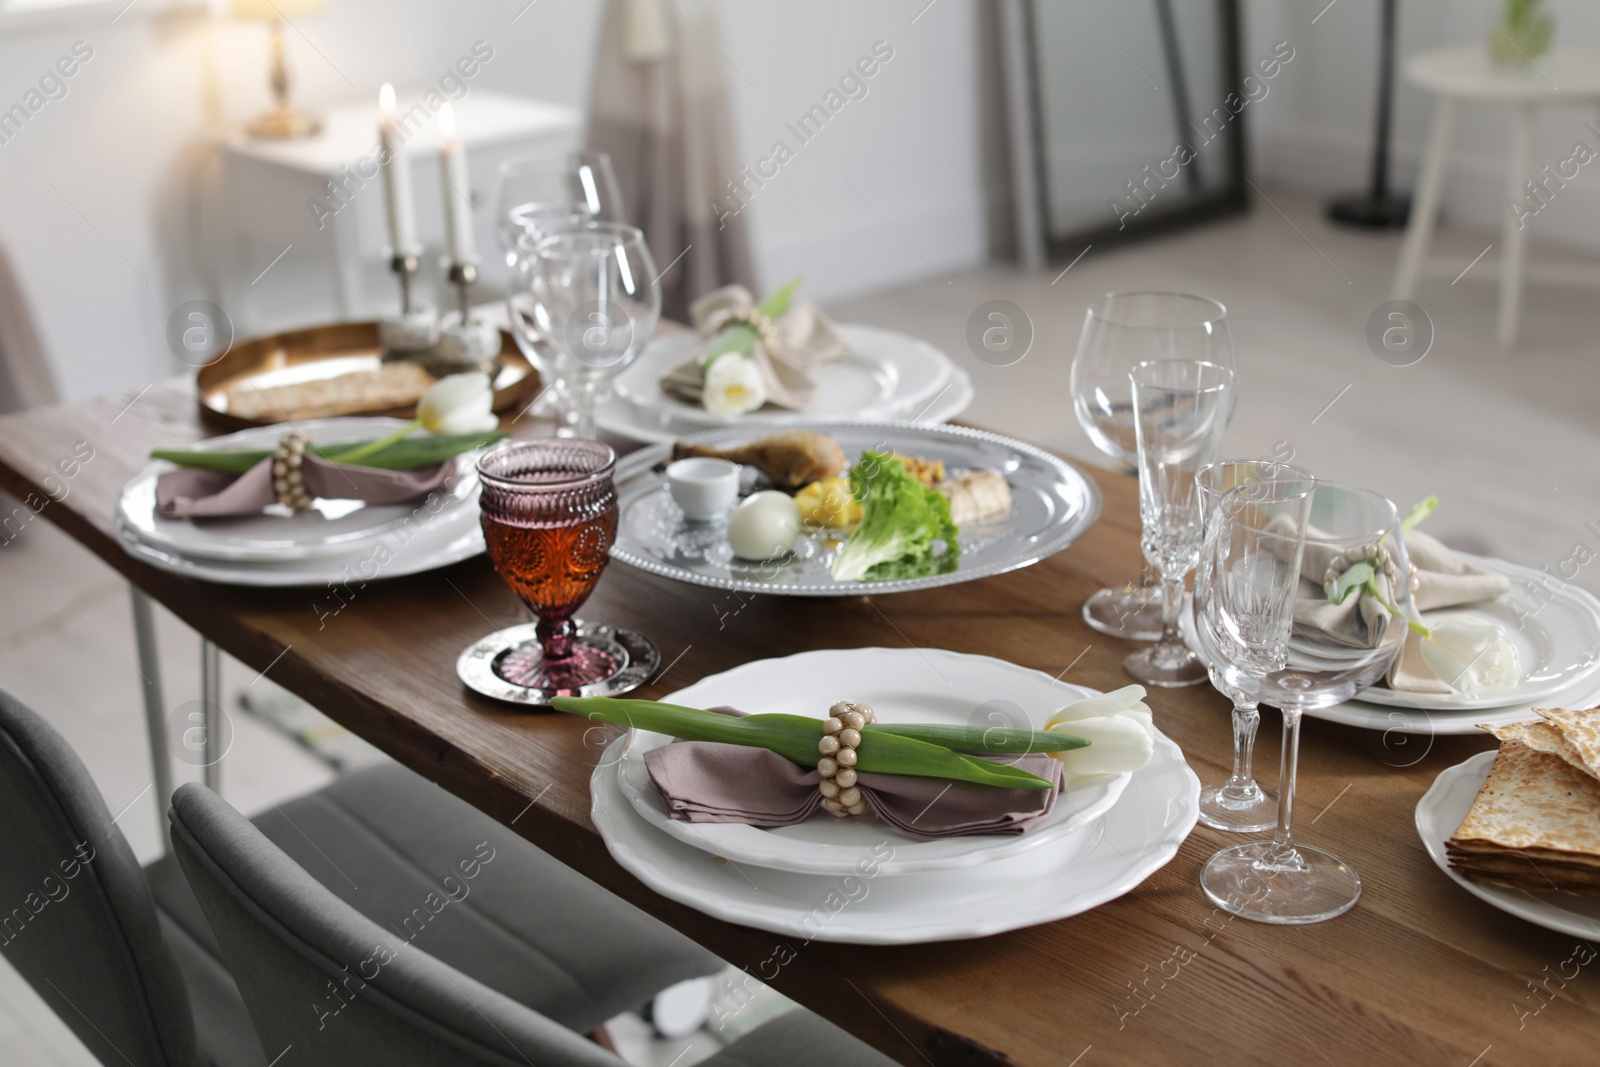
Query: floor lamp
[{"x": 1377, "y": 208}]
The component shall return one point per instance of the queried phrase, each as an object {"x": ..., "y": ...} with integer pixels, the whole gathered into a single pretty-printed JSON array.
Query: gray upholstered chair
[
  {"x": 328, "y": 986},
  {"x": 126, "y": 958}
]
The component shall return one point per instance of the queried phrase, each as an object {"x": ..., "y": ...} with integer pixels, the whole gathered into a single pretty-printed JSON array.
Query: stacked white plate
[
  {"x": 1558, "y": 647},
  {"x": 337, "y": 541},
  {"x": 886, "y": 376},
  {"x": 857, "y": 881}
]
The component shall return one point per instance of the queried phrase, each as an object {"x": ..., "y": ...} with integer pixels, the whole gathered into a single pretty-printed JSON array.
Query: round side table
[{"x": 1566, "y": 76}]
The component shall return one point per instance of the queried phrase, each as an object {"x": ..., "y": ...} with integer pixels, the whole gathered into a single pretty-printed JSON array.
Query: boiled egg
[{"x": 764, "y": 526}]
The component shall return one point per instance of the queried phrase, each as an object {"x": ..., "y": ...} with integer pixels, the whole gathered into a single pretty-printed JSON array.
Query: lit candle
[
  {"x": 396, "y": 177},
  {"x": 455, "y": 189}
]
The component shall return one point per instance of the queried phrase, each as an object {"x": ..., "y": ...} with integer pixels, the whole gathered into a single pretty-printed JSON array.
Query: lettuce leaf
[{"x": 905, "y": 529}]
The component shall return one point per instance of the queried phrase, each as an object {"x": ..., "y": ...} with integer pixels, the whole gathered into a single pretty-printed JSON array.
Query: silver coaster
[{"x": 478, "y": 666}]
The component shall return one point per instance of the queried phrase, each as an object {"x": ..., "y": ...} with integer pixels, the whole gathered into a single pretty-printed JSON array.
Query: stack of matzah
[{"x": 1536, "y": 822}]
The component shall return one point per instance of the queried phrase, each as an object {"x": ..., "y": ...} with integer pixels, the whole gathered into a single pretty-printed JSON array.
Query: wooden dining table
[{"x": 1419, "y": 973}]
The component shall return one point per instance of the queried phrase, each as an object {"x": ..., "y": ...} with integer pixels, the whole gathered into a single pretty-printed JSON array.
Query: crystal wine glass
[
  {"x": 1239, "y": 804},
  {"x": 1120, "y": 331},
  {"x": 1180, "y": 410},
  {"x": 598, "y": 300},
  {"x": 549, "y": 513},
  {"x": 530, "y": 223},
  {"x": 1334, "y": 652}
]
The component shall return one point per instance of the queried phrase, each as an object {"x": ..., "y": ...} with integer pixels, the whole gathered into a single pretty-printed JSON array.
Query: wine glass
[
  {"x": 1334, "y": 651},
  {"x": 1239, "y": 804},
  {"x": 1120, "y": 331},
  {"x": 592, "y": 182},
  {"x": 532, "y": 221},
  {"x": 549, "y": 513},
  {"x": 598, "y": 300},
  {"x": 1180, "y": 410}
]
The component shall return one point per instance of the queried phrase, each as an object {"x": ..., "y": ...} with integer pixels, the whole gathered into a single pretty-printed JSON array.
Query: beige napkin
[
  {"x": 804, "y": 337},
  {"x": 1443, "y": 580}
]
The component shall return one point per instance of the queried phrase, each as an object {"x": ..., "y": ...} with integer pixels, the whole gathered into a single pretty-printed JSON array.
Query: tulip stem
[{"x": 361, "y": 452}]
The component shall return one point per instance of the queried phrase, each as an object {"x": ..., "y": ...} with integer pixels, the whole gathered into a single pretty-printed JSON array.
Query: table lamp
[{"x": 282, "y": 121}]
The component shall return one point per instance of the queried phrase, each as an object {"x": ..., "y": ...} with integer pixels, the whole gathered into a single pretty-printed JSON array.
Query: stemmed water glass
[
  {"x": 598, "y": 300},
  {"x": 532, "y": 222},
  {"x": 1334, "y": 652},
  {"x": 1239, "y": 804},
  {"x": 549, "y": 514},
  {"x": 1180, "y": 410},
  {"x": 1121, "y": 331}
]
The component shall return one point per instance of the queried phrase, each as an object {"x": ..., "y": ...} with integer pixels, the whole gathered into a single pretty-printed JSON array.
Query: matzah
[
  {"x": 393, "y": 385},
  {"x": 1581, "y": 729}
]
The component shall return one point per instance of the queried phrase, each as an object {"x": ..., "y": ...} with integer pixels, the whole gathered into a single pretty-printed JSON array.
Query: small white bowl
[{"x": 703, "y": 487}]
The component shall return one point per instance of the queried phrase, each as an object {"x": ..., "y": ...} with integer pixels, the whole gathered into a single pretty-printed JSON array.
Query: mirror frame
[{"x": 1036, "y": 246}]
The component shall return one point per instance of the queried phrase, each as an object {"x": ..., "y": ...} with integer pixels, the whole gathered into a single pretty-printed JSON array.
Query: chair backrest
[
  {"x": 76, "y": 916},
  {"x": 321, "y": 978}
]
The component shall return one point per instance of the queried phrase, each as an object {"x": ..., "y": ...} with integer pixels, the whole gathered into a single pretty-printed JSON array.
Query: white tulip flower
[
  {"x": 1119, "y": 727},
  {"x": 1471, "y": 656},
  {"x": 458, "y": 404},
  {"x": 733, "y": 385}
]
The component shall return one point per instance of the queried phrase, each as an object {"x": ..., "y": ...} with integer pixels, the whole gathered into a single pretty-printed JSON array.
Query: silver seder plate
[{"x": 1052, "y": 505}]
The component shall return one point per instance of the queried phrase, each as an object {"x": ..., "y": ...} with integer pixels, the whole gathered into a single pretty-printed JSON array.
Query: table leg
[
  {"x": 155, "y": 711},
  {"x": 1425, "y": 212},
  {"x": 211, "y": 702},
  {"x": 1519, "y": 169}
]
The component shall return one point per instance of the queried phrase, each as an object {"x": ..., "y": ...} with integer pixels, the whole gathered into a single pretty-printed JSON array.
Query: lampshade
[{"x": 272, "y": 9}]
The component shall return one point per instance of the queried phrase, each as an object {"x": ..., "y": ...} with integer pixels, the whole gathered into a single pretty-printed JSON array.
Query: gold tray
[{"x": 325, "y": 352}]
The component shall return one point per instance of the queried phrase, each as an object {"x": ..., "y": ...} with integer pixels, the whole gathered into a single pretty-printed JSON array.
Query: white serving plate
[
  {"x": 882, "y": 370},
  {"x": 1102, "y": 861},
  {"x": 903, "y": 685},
  {"x": 331, "y": 528},
  {"x": 1440, "y": 813}
]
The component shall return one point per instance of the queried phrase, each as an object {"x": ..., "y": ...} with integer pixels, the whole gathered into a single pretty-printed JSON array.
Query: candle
[
  {"x": 396, "y": 177},
  {"x": 455, "y": 189}
]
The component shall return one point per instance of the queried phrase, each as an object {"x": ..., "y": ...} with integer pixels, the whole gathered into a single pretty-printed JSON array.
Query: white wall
[
  {"x": 1315, "y": 132},
  {"x": 912, "y": 147},
  {"x": 121, "y": 145}
]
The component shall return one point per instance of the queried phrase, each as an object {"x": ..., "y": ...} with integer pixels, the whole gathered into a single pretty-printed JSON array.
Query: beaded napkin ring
[
  {"x": 753, "y": 318},
  {"x": 288, "y": 475},
  {"x": 1377, "y": 555},
  {"x": 841, "y": 734}
]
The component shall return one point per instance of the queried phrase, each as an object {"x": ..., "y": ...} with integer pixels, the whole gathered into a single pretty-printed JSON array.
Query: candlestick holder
[
  {"x": 415, "y": 330},
  {"x": 465, "y": 343}
]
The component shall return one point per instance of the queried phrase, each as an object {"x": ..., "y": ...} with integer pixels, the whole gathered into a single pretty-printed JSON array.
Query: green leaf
[
  {"x": 739, "y": 337},
  {"x": 988, "y": 740},
  {"x": 902, "y": 523},
  {"x": 795, "y": 738},
  {"x": 403, "y": 455},
  {"x": 1354, "y": 576},
  {"x": 1418, "y": 513}
]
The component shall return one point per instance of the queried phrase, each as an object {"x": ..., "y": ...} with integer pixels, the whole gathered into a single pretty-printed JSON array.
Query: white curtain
[
  {"x": 25, "y": 379},
  {"x": 660, "y": 108}
]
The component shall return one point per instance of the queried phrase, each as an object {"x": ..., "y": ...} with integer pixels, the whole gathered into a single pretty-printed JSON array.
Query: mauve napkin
[
  {"x": 707, "y": 781},
  {"x": 191, "y": 493},
  {"x": 1443, "y": 580}
]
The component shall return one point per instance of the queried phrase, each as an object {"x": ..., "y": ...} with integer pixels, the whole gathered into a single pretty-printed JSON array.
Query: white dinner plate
[
  {"x": 882, "y": 370},
  {"x": 625, "y": 419},
  {"x": 903, "y": 685},
  {"x": 1440, "y": 813},
  {"x": 427, "y": 545},
  {"x": 1558, "y": 645},
  {"x": 333, "y": 527},
  {"x": 1102, "y": 861}
]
